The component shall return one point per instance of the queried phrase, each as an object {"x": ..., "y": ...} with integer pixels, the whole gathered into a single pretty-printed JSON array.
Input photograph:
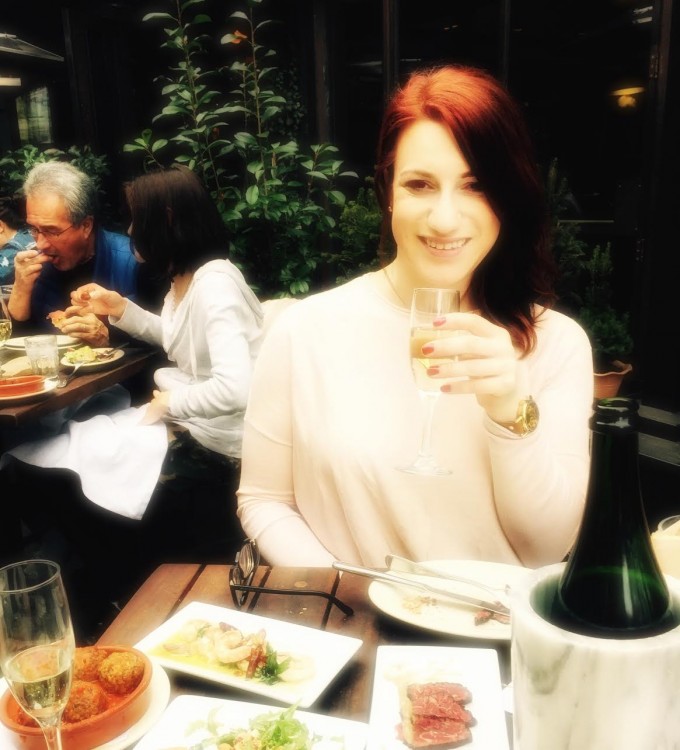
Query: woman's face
[{"x": 442, "y": 224}]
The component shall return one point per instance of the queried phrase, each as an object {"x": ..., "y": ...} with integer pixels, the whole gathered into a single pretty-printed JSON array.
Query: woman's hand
[
  {"x": 92, "y": 298},
  {"x": 477, "y": 358},
  {"x": 157, "y": 408}
]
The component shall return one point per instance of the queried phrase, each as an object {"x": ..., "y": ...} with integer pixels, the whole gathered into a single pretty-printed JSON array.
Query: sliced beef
[
  {"x": 433, "y": 714},
  {"x": 437, "y": 696}
]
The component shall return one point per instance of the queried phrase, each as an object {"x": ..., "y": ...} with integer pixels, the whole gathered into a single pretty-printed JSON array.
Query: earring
[{"x": 389, "y": 208}]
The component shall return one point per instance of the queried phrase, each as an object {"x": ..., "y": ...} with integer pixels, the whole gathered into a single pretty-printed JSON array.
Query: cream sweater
[{"x": 333, "y": 410}]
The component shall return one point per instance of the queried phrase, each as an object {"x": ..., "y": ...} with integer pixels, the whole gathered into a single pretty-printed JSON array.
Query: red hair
[{"x": 489, "y": 127}]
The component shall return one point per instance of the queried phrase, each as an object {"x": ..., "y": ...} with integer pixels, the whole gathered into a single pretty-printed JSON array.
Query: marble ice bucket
[{"x": 574, "y": 692}]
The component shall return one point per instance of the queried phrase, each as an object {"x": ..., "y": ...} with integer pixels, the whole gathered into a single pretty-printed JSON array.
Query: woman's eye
[
  {"x": 473, "y": 186},
  {"x": 417, "y": 185}
]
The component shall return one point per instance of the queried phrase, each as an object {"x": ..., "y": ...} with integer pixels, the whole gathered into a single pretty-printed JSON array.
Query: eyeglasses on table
[{"x": 243, "y": 570}]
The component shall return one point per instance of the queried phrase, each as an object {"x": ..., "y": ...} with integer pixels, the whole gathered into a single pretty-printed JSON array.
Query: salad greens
[{"x": 271, "y": 731}]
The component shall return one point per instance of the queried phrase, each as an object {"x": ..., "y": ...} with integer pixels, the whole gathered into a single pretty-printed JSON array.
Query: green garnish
[{"x": 270, "y": 672}]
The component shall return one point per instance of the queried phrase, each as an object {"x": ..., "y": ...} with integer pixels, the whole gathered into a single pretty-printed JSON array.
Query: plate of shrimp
[{"x": 276, "y": 659}]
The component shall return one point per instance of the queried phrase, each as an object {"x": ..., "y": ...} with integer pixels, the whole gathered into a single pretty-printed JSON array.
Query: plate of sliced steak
[{"x": 437, "y": 697}]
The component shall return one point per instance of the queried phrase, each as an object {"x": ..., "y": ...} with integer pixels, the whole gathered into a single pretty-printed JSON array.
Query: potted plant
[
  {"x": 607, "y": 328},
  {"x": 585, "y": 291}
]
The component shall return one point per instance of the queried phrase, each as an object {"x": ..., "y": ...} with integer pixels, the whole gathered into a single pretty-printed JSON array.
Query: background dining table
[
  {"x": 172, "y": 586},
  {"x": 138, "y": 360}
]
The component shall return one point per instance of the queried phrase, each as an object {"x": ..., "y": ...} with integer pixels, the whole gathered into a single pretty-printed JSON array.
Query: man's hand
[
  {"x": 27, "y": 267},
  {"x": 84, "y": 326}
]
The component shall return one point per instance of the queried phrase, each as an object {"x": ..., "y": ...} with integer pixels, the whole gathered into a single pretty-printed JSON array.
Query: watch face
[{"x": 530, "y": 415}]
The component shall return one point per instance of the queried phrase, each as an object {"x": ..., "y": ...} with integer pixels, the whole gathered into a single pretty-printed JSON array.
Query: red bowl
[
  {"x": 122, "y": 712},
  {"x": 21, "y": 385}
]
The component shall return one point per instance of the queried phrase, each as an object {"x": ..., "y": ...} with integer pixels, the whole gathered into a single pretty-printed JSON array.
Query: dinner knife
[{"x": 387, "y": 577}]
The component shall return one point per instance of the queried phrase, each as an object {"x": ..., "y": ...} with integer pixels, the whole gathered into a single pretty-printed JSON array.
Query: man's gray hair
[{"x": 75, "y": 187}]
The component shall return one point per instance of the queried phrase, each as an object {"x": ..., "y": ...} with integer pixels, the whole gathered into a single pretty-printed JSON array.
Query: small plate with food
[
  {"x": 117, "y": 694},
  {"x": 279, "y": 660},
  {"x": 437, "y": 696},
  {"x": 446, "y": 615},
  {"x": 92, "y": 358},
  {"x": 25, "y": 388},
  {"x": 63, "y": 342},
  {"x": 193, "y": 721}
]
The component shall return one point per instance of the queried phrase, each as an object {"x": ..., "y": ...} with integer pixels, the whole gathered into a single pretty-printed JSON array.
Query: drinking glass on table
[
  {"x": 37, "y": 645},
  {"x": 5, "y": 320},
  {"x": 43, "y": 354},
  {"x": 426, "y": 306}
]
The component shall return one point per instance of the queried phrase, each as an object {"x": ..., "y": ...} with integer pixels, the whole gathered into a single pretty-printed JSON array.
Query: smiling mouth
[{"x": 453, "y": 245}]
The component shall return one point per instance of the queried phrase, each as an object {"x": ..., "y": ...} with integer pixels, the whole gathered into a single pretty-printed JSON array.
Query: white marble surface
[{"x": 574, "y": 692}]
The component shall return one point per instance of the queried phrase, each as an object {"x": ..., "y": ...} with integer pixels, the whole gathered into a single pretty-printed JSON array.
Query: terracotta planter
[{"x": 607, "y": 384}]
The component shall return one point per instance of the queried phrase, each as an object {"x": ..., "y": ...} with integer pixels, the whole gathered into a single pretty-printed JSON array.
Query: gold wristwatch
[{"x": 526, "y": 420}]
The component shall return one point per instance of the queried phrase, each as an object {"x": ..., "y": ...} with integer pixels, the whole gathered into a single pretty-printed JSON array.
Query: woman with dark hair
[
  {"x": 13, "y": 236},
  {"x": 334, "y": 407},
  {"x": 150, "y": 463}
]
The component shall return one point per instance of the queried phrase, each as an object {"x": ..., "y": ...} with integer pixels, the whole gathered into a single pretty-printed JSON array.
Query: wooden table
[
  {"x": 172, "y": 586},
  {"x": 137, "y": 359}
]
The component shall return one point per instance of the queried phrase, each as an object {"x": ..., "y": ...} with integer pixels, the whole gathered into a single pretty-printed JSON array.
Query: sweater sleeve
[
  {"x": 220, "y": 317},
  {"x": 139, "y": 323},
  {"x": 266, "y": 497},
  {"x": 539, "y": 481}
]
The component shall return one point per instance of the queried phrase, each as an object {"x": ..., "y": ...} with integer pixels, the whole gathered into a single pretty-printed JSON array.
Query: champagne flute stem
[
  {"x": 52, "y": 733},
  {"x": 430, "y": 398}
]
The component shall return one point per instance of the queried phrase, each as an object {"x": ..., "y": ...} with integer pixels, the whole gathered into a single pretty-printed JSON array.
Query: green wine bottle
[{"x": 612, "y": 586}]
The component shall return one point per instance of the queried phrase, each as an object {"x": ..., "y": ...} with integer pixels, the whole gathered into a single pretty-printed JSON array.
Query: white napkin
[{"x": 118, "y": 459}]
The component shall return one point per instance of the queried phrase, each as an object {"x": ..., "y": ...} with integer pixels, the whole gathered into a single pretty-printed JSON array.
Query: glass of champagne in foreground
[
  {"x": 426, "y": 306},
  {"x": 37, "y": 645},
  {"x": 5, "y": 321}
]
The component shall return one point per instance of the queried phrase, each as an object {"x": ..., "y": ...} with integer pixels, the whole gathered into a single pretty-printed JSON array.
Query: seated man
[{"x": 71, "y": 249}]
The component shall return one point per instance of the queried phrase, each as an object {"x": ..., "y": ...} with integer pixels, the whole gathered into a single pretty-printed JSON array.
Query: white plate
[
  {"x": 446, "y": 615},
  {"x": 328, "y": 651},
  {"x": 160, "y": 694},
  {"x": 475, "y": 668},
  {"x": 96, "y": 364},
  {"x": 63, "y": 342},
  {"x": 50, "y": 385},
  {"x": 183, "y": 724}
]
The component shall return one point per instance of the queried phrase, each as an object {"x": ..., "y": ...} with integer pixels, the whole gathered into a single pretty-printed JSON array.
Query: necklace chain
[{"x": 394, "y": 288}]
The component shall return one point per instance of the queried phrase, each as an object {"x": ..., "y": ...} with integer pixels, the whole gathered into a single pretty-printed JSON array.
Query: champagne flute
[
  {"x": 5, "y": 320},
  {"x": 426, "y": 306},
  {"x": 37, "y": 645}
]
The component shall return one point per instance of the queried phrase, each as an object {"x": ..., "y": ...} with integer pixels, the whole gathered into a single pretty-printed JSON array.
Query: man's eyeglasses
[
  {"x": 243, "y": 571},
  {"x": 49, "y": 233}
]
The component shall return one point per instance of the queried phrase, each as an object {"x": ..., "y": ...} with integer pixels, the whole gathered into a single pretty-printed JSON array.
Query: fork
[
  {"x": 64, "y": 380},
  {"x": 404, "y": 565}
]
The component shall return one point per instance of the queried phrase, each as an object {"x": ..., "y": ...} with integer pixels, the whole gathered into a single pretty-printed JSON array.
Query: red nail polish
[
  {"x": 445, "y": 388},
  {"x": 434, "y": 370},
  {"x": 427, "y": 349},
  {"x": 439, "y": 321}
]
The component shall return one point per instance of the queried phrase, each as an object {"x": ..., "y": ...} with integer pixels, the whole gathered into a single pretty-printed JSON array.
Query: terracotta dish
[
  {"x": 123, "y": 709},
  {"x": 21, "y": 385}
]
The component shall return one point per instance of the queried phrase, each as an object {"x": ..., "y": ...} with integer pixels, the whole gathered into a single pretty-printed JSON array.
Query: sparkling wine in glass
[
  {"x": 5, "y": 321},
  {"x": 426, "y": 306},
  {"x": 37, "y": 645}
]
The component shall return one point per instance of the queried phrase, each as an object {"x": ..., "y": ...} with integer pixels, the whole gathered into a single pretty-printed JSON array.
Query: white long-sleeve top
[
  {"x": 333, "y": 410},
  {"x": 213, "y": 336}
]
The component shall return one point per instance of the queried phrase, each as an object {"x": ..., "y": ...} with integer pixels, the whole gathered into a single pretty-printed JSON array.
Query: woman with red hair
[{"x": 334, "y": 408}]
